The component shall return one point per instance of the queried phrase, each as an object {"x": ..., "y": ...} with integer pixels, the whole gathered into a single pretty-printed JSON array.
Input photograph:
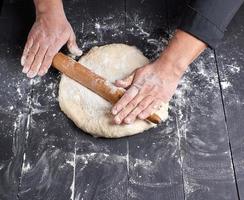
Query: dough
[{"x": 89, "y": 111}]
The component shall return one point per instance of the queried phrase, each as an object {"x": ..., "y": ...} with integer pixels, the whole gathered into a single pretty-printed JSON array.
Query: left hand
[{"x": 149, "y": 86}]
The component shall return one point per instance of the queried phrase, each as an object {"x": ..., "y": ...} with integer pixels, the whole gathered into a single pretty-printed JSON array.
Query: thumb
[
  {"x": 73, "y": 47},
  {"x": 126, "y": 82}
]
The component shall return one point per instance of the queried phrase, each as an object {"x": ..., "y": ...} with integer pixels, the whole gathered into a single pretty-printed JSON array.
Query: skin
[
  {"x": 156, "y": 82},
  {"x": 50, "y": 32},
  {"x": 147, "y": 87}
]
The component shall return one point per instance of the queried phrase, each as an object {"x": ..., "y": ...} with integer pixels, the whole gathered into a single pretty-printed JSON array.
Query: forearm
[
  {"x": 45, "y": 6},
  {"x": 182, "y": 50}
]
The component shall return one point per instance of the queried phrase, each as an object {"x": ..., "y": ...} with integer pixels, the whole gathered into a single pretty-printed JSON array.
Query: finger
[
  {"x": 28, "y": 45},
  {"x": 30, "y": 57},
  {"x": 37, "y": 61},
  {"x": 141, "y": 106},
  {"x": 73, "y": 47},
  {"x": 126, "y": 82},
  {"x": 125, "y": 99},
  {"x": 127, "y": 110},
  {"x": 47, "y": 61},
  {"x": 154, "y": 106}
]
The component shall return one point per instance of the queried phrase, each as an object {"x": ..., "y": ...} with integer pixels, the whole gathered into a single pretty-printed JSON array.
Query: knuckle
[
  {"x": 133, "y": 104},
  {"x": 27, "y": 63},
  {"x": 132, "y": 116},
  {"x": 35, "y": 66},
  {"x": 37, "y": 58},
  {"x": 48, "y": 56},
  {"x": 148, "y": 87},
  {"x": 146, "y": 112},
  {"x": 44, "y": 46},
  {"x": 39, "y": 39},
  {"x": 122, "y": 114},
  {"x": 30, "y": 37},
  {"x": 155, "y": 88},
  {"x": 25, "y": 53},
  {"x": 46, "y": 65},
  {"x": 31, "y": 52},
  {"x": 141, "y": 106},
  {"x": 127, "y": 95},
  {"x": 140, "y": 70}
]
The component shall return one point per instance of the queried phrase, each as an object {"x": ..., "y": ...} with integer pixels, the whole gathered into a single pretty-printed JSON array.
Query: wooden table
[{"x": 197, "y": 154}]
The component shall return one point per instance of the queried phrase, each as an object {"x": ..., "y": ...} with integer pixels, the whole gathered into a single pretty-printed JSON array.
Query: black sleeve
[{"x": 207, "y": 19}]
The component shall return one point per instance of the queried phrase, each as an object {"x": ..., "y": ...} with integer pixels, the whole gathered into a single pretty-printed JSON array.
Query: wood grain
[{"x": 191, "y": 156}]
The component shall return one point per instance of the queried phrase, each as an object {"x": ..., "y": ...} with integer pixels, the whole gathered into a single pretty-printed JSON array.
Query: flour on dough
[{"x": 89, "y": 111}]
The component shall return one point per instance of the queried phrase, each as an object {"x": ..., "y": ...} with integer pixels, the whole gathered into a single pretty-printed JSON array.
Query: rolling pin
[{"x": 92, "y": 81}]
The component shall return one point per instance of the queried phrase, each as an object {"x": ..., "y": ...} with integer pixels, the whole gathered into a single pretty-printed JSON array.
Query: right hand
[{"x": 49, "y": 33}]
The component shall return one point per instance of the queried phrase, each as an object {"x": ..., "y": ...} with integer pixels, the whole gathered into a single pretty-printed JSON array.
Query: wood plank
[
  {"x": 14, "y": 92},
  {"x": 154, "y": 167},
  {"x": 97, "y": 23},
  {"x": 49, "y": 158},
  {"x": 205, "y": 153},
  {"x": 206, "y": 159},
  {"x": 47, "y": 171},
  {"x": 230, "y": 62},
  {"x": 44, "y": 145},
  {"x": 11, "y": 148},
  {"x": 101, "y": 168},
  {"x": 155, "y": 170},
  {"x": 59, "y": 157},
  {"x": 100, "y": 164},
  {"x": 146, "y": 26}
]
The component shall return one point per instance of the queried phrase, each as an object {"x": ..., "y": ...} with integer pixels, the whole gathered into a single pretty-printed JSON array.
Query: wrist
[
  {"x": 49, "y": 7},
  {"x": 169, "y": 65},
  {"x": 182, "y": 50}
]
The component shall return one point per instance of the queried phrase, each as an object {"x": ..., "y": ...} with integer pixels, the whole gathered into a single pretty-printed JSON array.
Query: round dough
[{"x": 89, "y": 111}]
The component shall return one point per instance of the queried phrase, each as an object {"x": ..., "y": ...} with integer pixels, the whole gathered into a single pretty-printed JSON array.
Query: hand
[
  {"x": 155, "y": 83},
  {"x": 149, "y": 86},
  {"x": 49, "y": 33}
]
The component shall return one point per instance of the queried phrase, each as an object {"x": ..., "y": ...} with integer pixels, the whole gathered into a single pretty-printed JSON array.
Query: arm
[
  {"x": 204, "y": 24},
  {"x": 155, "y": 83},
  {"x": 49, "y": 33}
]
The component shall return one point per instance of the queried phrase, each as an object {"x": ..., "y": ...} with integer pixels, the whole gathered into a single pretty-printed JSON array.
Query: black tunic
[{"x": 207, "y": 19}]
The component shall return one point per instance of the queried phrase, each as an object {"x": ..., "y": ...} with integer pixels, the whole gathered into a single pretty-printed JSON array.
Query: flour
[
  {"x": 136, "y": 26},
  {"x": 26, "y": 166},
  {"x": 199, "y": 70},
  {"x": 225, "y": 84},
  {"x": 73, "y": 164}
]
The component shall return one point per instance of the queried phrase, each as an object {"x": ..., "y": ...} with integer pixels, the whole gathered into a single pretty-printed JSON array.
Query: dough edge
[{"x": 74, "y": 111}]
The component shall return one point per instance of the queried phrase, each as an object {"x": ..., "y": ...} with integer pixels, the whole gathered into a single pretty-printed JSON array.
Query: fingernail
[
  {"x": 22, "y": 61},
  {"x": 41, "y": 73},
  {"x": 31, "y": 74},
  {"x": 79, "y": 52},
  {"x": 117, "y": 120},
  {"x": 25, "y": 70},
  {"x": 141, "y": 116},
  {"x": 76, "y": 51},
  {"x": 114, "y": 111},
  {"x": 122, "y": 83},
  {"x": 127, "y": 120}
]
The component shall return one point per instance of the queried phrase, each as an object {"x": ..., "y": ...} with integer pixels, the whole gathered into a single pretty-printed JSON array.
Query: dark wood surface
[
  {"x": 197, "y": 154},
  {"x": 230, "y": 61}
]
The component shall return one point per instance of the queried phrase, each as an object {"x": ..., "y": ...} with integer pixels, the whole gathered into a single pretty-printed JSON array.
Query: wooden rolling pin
[{"x": 92, "y": 81}]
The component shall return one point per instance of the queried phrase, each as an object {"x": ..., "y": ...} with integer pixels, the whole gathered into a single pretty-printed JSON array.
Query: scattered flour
[{"x": 225, "y": 84}]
